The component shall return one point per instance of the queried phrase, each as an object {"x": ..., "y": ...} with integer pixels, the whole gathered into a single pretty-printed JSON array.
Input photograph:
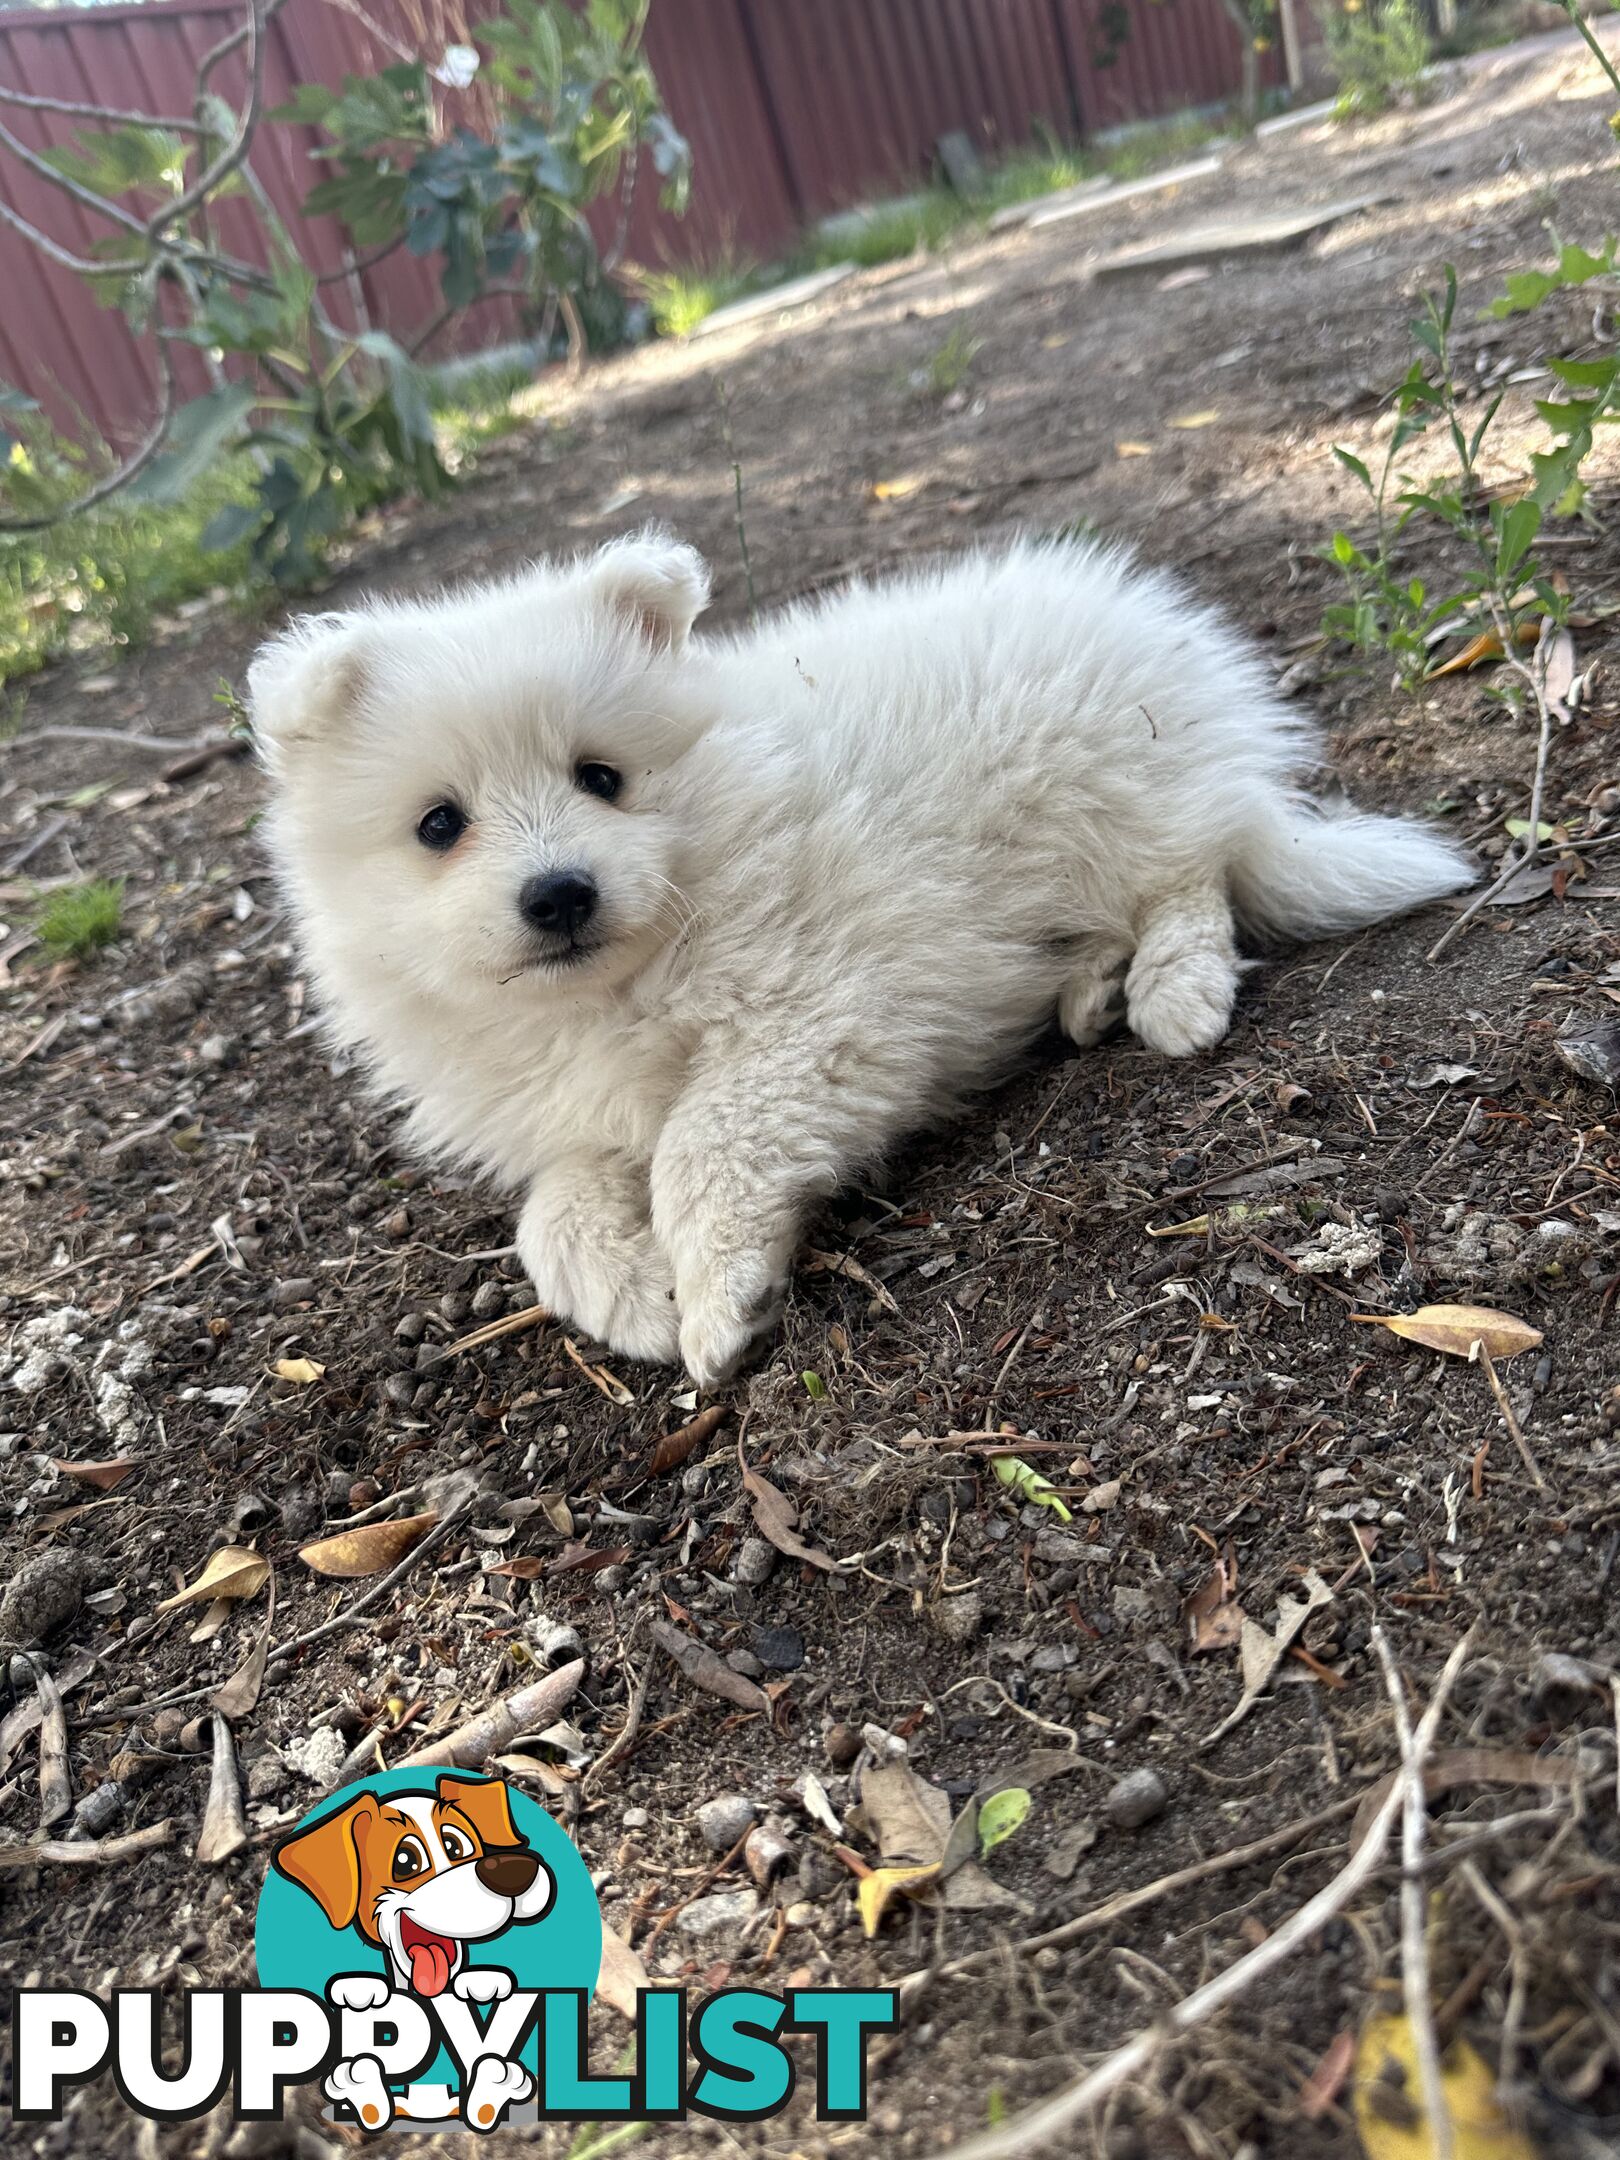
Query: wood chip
[{"x": 470, "y": 1746}]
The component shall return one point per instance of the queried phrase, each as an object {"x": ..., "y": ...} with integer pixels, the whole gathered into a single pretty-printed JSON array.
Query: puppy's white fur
[{"x": 862, "y": 854}]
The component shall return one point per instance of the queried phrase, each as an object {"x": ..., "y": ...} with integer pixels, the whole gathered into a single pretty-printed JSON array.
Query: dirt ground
[{"x": 193, "y": 1191}]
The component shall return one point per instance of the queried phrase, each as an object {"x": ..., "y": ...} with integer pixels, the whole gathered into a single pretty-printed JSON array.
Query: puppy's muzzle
[{"x": 508, "y": 1870}]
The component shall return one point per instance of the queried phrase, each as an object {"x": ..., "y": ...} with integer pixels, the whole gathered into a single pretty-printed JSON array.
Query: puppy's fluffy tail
[{"x": 1303, "y": 872}]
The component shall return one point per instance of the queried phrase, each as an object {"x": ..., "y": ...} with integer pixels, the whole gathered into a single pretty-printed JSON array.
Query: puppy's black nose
[
  {"x": 508, "y": 1871},
  {"x": 562, "y": 900}
]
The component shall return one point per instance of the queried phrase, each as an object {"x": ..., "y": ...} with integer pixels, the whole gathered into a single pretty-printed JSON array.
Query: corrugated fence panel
[
  {"x": 792, "y": 107},
  {"x": 1175, "y": 54}
]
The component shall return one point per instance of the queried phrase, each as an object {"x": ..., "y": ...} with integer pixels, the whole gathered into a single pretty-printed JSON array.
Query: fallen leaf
[
  {"x": 1027, "y": 1482},
  {"x": 778, "y": 1520},
  {"x": 814, "y": 1800},
  {"x": 829, "y": 1263},
  {"x": 528, "y": 1567},
  {"x": 557, "y": 1512},
  {"x": 1487, "y": 646},
  {"x": 1000, "y": 1816},
  {"x": 1133, "y": 449},
  {"x": 102, "y": 1475},
  {"x": 1325, "y": 2082},
  {"x": 1558, "y": 674},
  {"x": 368, "y": 1550},
  {"x": 235, "y": 1571},
  {"x": 600, "y": 1377},
  {"x": 1213, "y": 1615},
  {"x": 622, "y": 1976},
  {"x": 874, "y": 1891},
  {"x": 674, "y": 1448},
  {"x": 898, "y": 490},
  {"x": 1455, "y": 1767},
  {"x": 1454, "y": 1329},
  {"x": 1260, "y": 1652},
  {"x": 301, "y": 1371},
  {"x": 1386, "y": 2069},
  {"x": 1188, "y": 421}
]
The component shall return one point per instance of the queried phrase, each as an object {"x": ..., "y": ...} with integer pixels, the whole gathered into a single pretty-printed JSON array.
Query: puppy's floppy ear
[
  {"x": 658, "y": 585},
  {"x": 325, "y": 1859},
  {"x": 303, "y": 683},
  {"x": 486, "y": 1805}
]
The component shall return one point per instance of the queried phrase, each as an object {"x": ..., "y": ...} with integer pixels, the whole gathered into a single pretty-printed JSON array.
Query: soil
[{"x": 194, "y": 1191}]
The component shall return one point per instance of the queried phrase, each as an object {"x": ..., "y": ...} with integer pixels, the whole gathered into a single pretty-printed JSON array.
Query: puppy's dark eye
[
  {"x": 442, "y": 827},
  {"x": 602, "y": 780},
  {"x": 410, "y": 1860}
]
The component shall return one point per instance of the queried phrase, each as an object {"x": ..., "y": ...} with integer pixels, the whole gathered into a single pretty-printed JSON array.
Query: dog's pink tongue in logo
[{"x": 430, "y": 1957}]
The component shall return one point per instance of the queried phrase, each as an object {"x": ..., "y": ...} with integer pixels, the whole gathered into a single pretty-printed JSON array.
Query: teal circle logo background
[{"x": 295, "y": 1946}]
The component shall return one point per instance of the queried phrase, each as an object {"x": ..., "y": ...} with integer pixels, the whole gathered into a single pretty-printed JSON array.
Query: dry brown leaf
[
  {"x": 1387, "y": 2062},
  {"x": 528, "y": 1567},
  {"x": 622, "y": 1976},
  {"x": 368, "y": 1550},
  {"x": 898, "y": 490},
  {"x": 102, "y": 1475},
  {"x": 1260, "y": 1652},
  {"x": 1454, "y": 1329},
  {"x": 778, "y": 1519},
  {"x": 600, "y": 1377},
  {"x": 1213, "y": 1615},
  {"x": 845, "y": 1264},
  {"x": 1454, "y": 1767},
  {"x": 1186, "y": 422},
  {"x": 301, "y": 1371},
  {"x": 235, "y": 1571},
  {"x": 1558, "y": 674},
  {"x": 1133, "y": 449},
  {"x": 674, "y": 1448}
]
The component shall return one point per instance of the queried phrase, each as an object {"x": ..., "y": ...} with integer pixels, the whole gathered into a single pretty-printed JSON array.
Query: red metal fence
[{"x": 793, "y": 108}]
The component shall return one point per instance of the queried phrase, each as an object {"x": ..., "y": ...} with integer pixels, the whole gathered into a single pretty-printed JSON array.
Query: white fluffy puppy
[{"x": 675, "y": 933}]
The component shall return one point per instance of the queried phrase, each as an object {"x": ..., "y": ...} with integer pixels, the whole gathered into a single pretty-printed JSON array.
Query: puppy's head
[
  {"x": 422, "y": 1874},
  {"x": 466, "y": 789}
]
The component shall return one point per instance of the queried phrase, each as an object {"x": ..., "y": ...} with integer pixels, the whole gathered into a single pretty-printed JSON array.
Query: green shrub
[
  {"x": 79, "y": 920},
  {"x": 1377, "y": 49}
]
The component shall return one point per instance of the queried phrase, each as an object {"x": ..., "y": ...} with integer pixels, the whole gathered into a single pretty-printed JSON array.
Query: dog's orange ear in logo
[
  {"x": 325, "y": 1859},
  {"x": 485, "y": 1804}
]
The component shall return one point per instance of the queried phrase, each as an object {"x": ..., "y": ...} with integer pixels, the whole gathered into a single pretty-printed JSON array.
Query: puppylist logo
[{"x": 427, "y": 1944}]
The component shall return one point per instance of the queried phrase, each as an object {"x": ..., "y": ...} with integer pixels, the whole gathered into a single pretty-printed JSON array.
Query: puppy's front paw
[
  {"x": 627, "y": 1305},
  {"x": 717, "y": 1326},
  {"x": 359, "y": 1991},
  {"x": 494, "y": 2087},
  {"x": 360, "y": 2085},
  {"x": 482, "y": 1984}
]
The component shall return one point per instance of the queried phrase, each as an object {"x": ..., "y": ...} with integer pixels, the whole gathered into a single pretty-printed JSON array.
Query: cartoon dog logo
[{"x": 419, "y": 1876}]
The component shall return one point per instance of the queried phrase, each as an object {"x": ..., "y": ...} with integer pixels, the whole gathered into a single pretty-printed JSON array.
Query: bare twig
[
  {"x": 53, "y": 251},
  {"x": 234, "y": 154},
  {"x": 1414, "y": 1900},
  {"x": 157, "y": 745},
  {"x": 76, "y": 111},
  {"x": 1533, "y": 673},
  {"x": 1510, "y": 1417},
  {"x": 1024, "y": 2135}
]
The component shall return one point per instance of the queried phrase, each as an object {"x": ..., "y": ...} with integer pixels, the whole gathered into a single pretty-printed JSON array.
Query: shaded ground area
[{"x": 193, "y": 1194}]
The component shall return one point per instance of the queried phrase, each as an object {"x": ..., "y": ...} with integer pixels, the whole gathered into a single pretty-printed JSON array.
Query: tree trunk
[{"x": 1249, "y": 97}]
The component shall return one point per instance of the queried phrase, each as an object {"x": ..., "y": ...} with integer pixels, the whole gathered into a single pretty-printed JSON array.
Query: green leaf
[
  {"x": 199, "y": 436},
  {"x": 1027, "y": 1483},
  {"x": 814, "y": 1386},
  {"x": 1515, "y": 533},
  {"x": 1354, "y": 465},
  {"x": 115, "y": 161},
  {"x": 1000, "y": 1816},
  {"x": 232, "y": 524},
  {"x": 1526, "y": 289}
]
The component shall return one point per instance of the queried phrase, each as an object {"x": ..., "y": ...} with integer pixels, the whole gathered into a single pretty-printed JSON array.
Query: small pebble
[
  {"x": 781, "y": 1649},
  {"x": 44, "y": 1594},
  {"x": 489, "y": 1300},
  {"x": 722, "y": 1914},
  {"x": 297, "y": 1290},
  {"x": 1136, "y": 1799},
  {"x": 724, "y": 1819},
  {"x": 411, "y": 1327},
  {"x": 843, "y": 1744},
  {"x": 958, "y": 1619},
  {"x": 635, "y": 1818},
  {"x": 753, "y": 1562}
]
